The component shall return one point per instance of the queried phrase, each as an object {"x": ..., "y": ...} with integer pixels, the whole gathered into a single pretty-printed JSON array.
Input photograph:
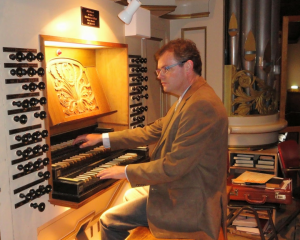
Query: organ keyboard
[{"x": 74, "y": 169}]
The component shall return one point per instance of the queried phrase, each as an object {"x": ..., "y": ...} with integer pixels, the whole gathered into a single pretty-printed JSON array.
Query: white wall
[
  {"x": 215, "y": 42},
  {"x": 22, "y": 21}
]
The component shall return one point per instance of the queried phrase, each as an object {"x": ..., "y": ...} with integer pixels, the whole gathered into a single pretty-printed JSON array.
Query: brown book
[{"x": 275, "y": 183}]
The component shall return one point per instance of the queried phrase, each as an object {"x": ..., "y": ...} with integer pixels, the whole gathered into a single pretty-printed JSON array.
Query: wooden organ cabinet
[{"x": 54, "y": 96}]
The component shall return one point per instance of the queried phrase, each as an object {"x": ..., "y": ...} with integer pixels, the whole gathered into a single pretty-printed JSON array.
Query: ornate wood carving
[{"x": 72, "y": 86}]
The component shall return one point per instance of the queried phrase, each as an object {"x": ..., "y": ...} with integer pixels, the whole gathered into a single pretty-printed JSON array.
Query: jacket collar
[
  {"x": 194, "y": 87},
  {"x": 171, "y": 116}
]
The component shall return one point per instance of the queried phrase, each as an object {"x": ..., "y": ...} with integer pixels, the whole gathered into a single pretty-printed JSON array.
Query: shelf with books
[
  {"x": 244, "y": 220},
  {"x": 259, "y": 161}
]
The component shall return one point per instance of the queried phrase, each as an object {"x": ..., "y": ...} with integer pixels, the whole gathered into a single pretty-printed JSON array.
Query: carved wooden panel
[{"x": 73, "y": 92}]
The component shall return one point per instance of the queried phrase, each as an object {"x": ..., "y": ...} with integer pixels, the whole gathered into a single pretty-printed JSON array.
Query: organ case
[{"x": 100, "y": 71}]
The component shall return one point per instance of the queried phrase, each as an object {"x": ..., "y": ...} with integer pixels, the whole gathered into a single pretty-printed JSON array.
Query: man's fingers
[{"x": 81, "y": 138}]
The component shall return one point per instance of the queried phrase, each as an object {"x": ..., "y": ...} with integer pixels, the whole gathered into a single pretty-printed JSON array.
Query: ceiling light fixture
[{"x": 127, "y": 13}]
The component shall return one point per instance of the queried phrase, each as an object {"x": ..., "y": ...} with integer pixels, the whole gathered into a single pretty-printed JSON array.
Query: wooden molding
[
  {"x": 284, "y": 52},
  {"x": 159, "y": 10},
  {"x": 186, "y": 16}
]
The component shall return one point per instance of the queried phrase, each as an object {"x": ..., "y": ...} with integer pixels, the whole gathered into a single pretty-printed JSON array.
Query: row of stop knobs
[
  {"x": 139, "y": 88},
  {"x": 33, "y": 86},
  {"x": 139, "y": 109},
  {"x": 139, "y": 79},
  {"x": 34, "y": 136},
  {"x": 23, "y": 118},
  {"x": 138, "y": 60},
  {"x": 138, "y": 118},
  {"x": 34, "y": 165},
  {"x": 30, "y": 103},
  {"x": 138, "y": 69},
  {"x": 19, "y": 72},
  {"x": 34, "y": 150},
  {"x": 138, "y": 97},
  {"x": 19, "y": 56},
  {"x": 32, "y": 194}
]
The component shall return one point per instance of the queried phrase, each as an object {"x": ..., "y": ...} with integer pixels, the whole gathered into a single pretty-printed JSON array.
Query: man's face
[{"x": 173, "y": 81}]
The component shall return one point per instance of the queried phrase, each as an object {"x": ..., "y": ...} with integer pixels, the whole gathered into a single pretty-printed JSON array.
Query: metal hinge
[
  {"x": 280, "y": 196},
  {"x": 235, "y": 193}
]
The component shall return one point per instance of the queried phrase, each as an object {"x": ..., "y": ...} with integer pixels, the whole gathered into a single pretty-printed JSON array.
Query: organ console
[
  {"x": 74, "y": 170},
  {"x": 47, "y": 173}
]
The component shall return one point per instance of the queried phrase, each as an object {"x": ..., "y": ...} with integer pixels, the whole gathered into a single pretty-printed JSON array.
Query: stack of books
[
  {"x": 265, "y": 162},
  {"x": 249, "y": 225},
  {"x": 244, "y": 160}
]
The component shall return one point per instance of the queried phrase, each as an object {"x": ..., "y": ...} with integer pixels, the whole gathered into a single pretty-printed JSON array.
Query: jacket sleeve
[
  {"x": 198, "y": 131},
  {"x": 132, "y": 138}
]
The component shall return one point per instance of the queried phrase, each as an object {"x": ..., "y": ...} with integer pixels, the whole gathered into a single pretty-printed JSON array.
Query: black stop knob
[
  {"x": 27, "y": 136},
  {"x": 45, "y": 175},
  {"x": 41, "y": 207},
  {"x": 40, "y": 56},
  {"x": 45, "y": 133},
  {"x": 41, "y": 115},
  {"x": 41, "y": 85},
  {"x": 30, "y": 57},
  {"x": 37, "y": 163},
  {"x": 31, "y": 72},
  {"x": 30, "y": 197},
  {"x": 17, "y": 103},
  {"x": 46, "y": 161},
  {"x": 25, "y": 87},
  {"x": 12, "y": 56},
  {"x": 32, "y": 86},
  {"x": 22, "y": 119},
  {"x": 28, "y": 166},
  {"x": 18, "y": 138},
  {"x": 34, "y": 205},
  {"x": 20, "y": 72},
  {"x": 36, "y": 135},
  {"x": 33, "y": 101},
  {"x": 43, "y": 100},
  {"x": 25, "y": 103},
  {"x": 40, "y": 72},
  {"x": 45, "y": 147},
  {"x": 48, "y": 188},
  {"x": 136, "y": 97},
  {"x": 36, "y": 149},
  {"x": 43, "y": 189},
  {"x": 38, "y": 192},
  {"x": 20, "y": 56},
  {"x": 20, "y": 167},
  {"x": 22, "y": 195}
]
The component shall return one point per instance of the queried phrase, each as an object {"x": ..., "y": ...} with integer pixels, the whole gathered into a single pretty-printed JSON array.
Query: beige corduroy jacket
[{"x": 187, "y": 171}]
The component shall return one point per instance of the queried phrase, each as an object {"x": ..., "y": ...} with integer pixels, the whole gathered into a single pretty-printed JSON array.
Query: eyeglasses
[{"x": 165, "y": 69}]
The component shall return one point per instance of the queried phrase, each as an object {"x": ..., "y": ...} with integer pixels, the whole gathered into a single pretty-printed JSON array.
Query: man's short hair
[{"x": 183, "y": 49}]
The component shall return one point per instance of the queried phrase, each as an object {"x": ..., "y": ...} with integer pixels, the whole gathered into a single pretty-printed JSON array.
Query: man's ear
[{"x": 189, "y": 65}]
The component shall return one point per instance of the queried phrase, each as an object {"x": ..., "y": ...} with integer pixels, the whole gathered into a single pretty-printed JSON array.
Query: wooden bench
[{"x": 143, "y": 233}]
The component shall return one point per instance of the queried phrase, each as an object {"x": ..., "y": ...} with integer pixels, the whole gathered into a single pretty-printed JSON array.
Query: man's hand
[
  {"x": 88, "y": 140},
  {"x": 115, "y": 172}
]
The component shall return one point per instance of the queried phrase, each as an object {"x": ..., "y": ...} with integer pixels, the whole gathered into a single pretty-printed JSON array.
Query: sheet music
[{"x": 252, "y": 177}]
